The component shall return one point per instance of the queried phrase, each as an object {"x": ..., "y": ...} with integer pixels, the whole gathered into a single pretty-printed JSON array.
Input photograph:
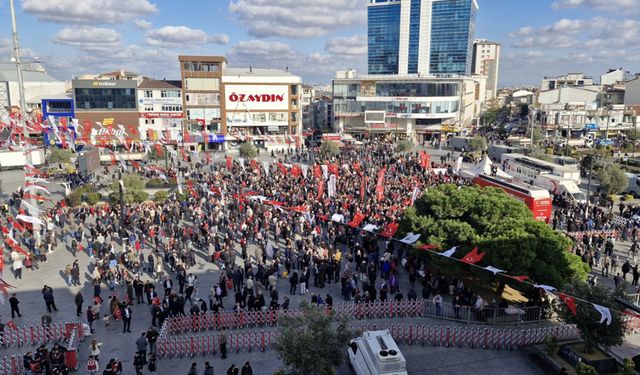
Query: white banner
[{"x": 332, "y": 186}]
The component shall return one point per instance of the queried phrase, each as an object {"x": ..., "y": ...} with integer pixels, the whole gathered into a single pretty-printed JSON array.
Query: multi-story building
[
  {"x": 614, "y": 76},
  {"x": 38, "y": 84},
  {"x": 571, "y": 79},
  {"x": 421, "y": 36},
  {"x": 201, "y": 104},
  {"x": 409, "y": 106},
  {"x": 261, "y": 105},
  {"x": 322, "y": 113},
  {"x": 307, "y": 97},
  {"x": 486, "y": 62},
  {"x": 107, "y": 108},
  {"x": 160, "y": 110}
]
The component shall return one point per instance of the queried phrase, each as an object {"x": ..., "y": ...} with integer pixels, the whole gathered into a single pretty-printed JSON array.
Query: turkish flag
[
  {"x": 228, "y": 160},
  {"x": 158, "y": 149},
  {"x": 356, "y": 167},
  {"x": 428, "y": 247},
  {"x": 357, "y": 219},
  {"x": 254, "y": 165},
  {"x": 390, "y": 230},
  {"x": 520, "y": 278},
  {"x": 282, "y": 168},
  {"x": 16, "y": 225},
  {"x": 295, "y": 170},
  {"x": 425, "y": 159},
  {"x": 473, "y": 256},
  {"x": 320, "y": 188},
  {"x": 317, "y": 171},
  {"x": 570, "y": 302},
  {"x": 333, "y": 168}
]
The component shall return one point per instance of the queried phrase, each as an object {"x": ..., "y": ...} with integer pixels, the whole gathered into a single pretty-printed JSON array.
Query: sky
[{"x": 312, "y": 38}]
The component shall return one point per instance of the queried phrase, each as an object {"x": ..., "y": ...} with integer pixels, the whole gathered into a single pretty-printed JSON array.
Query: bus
[
  {"x": 527, "y": 169},
  {"x": 536, "y": 199}
]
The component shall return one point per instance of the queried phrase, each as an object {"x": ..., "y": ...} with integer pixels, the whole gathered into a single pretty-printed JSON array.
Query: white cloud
[
  {"x": 6, "y": 51},
  {"x": 607, "y": 5},
  {"x": 88, "y": 38},
  {"x": 297, "y": 19},
  {"x": 351, "y": 46},
  {"x": 88, "y": 11},
  {"x": 181, "y": 36},
  {"x": 142, "y": 24}
]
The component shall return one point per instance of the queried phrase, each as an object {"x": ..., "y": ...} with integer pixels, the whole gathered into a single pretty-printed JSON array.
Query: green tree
[
  {"x": 329, "y": 148},
  {"x": 404, "y": 145},
  {"x": 633, "y": 135},
  {"x": 160, "y": 196},
  {"x": 587, "y": 318},
  {"x": 59, "y": 155},
  {"x": 537, "y": 135},
  {"x": 628, "y": 367},
  {"x": 584, "y": 369},
  {"x": 477, "y": 144},
  {"x": 133, "y": 189},
  {"x": 497, "y": 224},
  {"x": 613, "y": 179},
  {"x": 310, "y": 344},
  {"x": 248, "y": 150}
]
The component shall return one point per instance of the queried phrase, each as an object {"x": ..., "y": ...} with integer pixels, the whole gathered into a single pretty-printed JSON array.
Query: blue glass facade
[
  {"x": 414, "y": 36},
  {"x": 383, "y": 34},
  {"x": 452, "y": 33}
]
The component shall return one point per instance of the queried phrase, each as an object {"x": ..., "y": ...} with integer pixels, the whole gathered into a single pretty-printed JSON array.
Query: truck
[
  {"x": 376, "y": 353},
  {"x": 526, "y": 169},
  {"x": 634, "y": 184},
  {"x": 460, "y": 143},
  {"x": 560, "y": 186},
  {"x": 535, "y": 198},
  {"x": 495, "y": 151},
  {"x": 17, "y": 159}
]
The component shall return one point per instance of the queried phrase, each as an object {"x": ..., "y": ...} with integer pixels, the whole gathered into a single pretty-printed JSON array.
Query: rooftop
[
  {"x": 11, "y": 75},
  {"x": 160, "y": 84},
  {"x": 248, "y": 72}
]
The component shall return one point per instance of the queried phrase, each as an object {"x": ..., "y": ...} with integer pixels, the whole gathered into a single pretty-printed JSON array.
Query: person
[
  {"x": 153, "y": 364},
  {"x": 141, "y": 346},
  {"x": 152, "y": 337},
  {"x": 15, "y": 310},
  {"x": 233, "y": 370},
  {"x": 246, "y": 369},
  {"x": 194, "y": 369},
  {"x": 126, "y": 318},
  {"x": 91, "y": 316},
  {"x": 94, "y": 349},
  {"x": 79, "y": 300},
  {"x": 437, "y": 301},
  {"x": 138, "y": 363},
  {"x": 47, "y": 295},
  {"x": 223, "y": 345},
  {"x": 92, "y": 366},
  {"x": 208, "y": 369}
]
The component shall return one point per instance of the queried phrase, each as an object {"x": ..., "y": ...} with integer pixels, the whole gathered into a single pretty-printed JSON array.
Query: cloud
[
  {"x": 88, "y": 11},
  {"x": 6, "y": 51},
  {"x": 181, "y": 36},
  {"x": 313, "y": 67},
  {"x": 297, "y": 19},
  {"x": 142, "y": 24},
  {"x": 88, "y": 38},
  {"x": 351, "y": 46},
  {"x": 606, "y": 5}
]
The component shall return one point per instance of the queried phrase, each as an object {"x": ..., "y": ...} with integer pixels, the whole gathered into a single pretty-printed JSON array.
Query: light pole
[
  {"x": 591, "y": 157},
  {"x": 635, "y": 131}
]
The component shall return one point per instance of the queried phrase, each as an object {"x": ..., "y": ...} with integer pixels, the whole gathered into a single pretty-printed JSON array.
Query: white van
[{"x": 376, "y": 353}]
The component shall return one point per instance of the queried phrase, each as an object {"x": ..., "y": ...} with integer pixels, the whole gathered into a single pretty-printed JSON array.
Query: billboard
[
  {"x": 89, "y": 161},
  {"x": 256, "y": 97},
  {"x": 108, "y": 131}
]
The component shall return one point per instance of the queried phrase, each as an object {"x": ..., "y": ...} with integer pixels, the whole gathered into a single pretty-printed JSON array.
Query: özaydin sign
[{"x": 256, "y": 97}]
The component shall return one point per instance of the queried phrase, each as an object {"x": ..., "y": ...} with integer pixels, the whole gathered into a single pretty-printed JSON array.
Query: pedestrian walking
[
  {"x": 47, "y": 295},
  {"x": 193, "y": 370},
  {"x": 233, "y": 370},
  {"x": 79, "y": 300},
  {"x": 126, "y": 318},
  {"x": 92, "y": 366},
  {"x": 152, "y": 366},
  {"x": 223, "y": 345},
  {"x": 141, "y": 346}
]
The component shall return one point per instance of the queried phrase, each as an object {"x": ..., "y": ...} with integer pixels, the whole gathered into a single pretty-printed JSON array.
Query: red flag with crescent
[
  {"x": 473, "y": 256},
  {"x": 570, "y": 302}
]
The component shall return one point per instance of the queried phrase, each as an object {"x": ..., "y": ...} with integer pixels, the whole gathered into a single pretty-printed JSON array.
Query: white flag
[
  {"x": 493, "y": 269},
  {"x": 331, "y": 191},
  {"x": 325, "y": 171},
  {"x": 459, "y": 164},
  {"x": 179, "y": 180},
  {"x": 30, "y": 219},
  {"x": 338, "y": 218},
  {"x": 605, "y": 314},
  {"x": 34, "y": 211},
  {"x": 370, "y": 228},
  {"x": 36, "y": 187},
  {"x": 241, "y": 161},
  {"x": 265, "y": 165},
  {"x": 269, "y": 250},
  {"x": 410, "y": 238},
  {"x": 305, "y": 169},
  {"x": 414, "y": 195},
  {"x": 449, "y": 252},
  {"x": 547, "y": 288}
]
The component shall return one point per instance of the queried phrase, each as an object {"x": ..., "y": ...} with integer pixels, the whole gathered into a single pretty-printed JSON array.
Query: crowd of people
[{"x": 257, "y": 223}]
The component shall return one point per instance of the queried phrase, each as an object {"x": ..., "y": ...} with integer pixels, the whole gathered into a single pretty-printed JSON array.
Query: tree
[
  {"x": 248, "y": 150},
  {"x": 404, "y": 146},
  {"x": 329, "y": 148},
  {"x": 478, "y": 144},
  {"x": 133, "y": 189},
  {"x": 587, "y": 318},
  {"x": 309, "y": 344},
  {"x": 497, "y": 224},
  {"x": 59, "y": 155},
  {"x": 536, "y": 135},
  {"x": 613, "y": 179},
  {"x": 633, "y": 135}
]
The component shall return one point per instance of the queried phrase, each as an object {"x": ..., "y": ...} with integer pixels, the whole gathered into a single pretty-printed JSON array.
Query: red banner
[
  {"x": 320, "y": 188},
  {"x": 228, "y": 160},
  {"x": 317, "y": 171},
  {"x": 357, "y": 219},
  {"x": 363, "y": 186},
  {"x": 425, "y": 160},
  {"x": 380, "y": 184},
  {"x": 390, "y": 230},
  {"x": 473, "y": 257}
]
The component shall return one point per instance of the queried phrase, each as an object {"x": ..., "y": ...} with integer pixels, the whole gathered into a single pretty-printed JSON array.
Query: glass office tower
[
  {"x": 383, "y": 18},
  {"x": 421, "y": 36},
  {"x": 452, "y": 33}
]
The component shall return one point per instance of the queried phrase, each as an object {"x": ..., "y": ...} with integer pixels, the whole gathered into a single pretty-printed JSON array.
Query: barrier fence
[
  {"x": 358, "y": 311},
  {"x": 34, "y": 335},
  {"x": 409, "y": 334}
]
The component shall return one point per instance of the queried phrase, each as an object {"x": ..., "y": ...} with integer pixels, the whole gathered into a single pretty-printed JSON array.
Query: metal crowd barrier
[{"x": 409, "y": 334}]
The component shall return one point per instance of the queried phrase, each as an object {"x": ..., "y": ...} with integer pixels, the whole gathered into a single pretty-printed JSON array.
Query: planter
[{"x": 603, "y": 366}]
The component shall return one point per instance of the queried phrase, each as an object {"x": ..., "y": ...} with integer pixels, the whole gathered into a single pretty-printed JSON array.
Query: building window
[
  {"x": 148, "y": 107},
  {"x": 148, "y": 94},
  {"x": 169, "y": 94},
  {"x": 171, "y": 108}
]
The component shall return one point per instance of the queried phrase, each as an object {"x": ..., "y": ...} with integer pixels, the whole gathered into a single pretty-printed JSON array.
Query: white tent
[{"x": 484, "y": 167}]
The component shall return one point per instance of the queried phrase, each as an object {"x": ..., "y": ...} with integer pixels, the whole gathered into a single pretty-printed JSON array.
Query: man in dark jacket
[
  {"x": 79, "y": 300},
  {"x": 13, "y": 302},
  {"x": 246, "y": 369}
]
